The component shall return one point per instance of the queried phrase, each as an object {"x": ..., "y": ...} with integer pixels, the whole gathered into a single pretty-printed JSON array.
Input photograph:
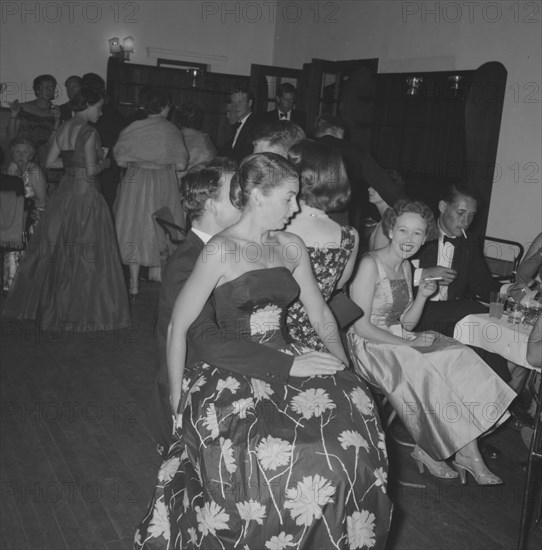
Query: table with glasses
[
  {"x": 510, "y": 341},
  {"x": 495, "y": 335}
]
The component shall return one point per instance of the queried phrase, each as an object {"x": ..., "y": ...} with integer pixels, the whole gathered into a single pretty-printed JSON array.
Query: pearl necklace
[{"x": 314, "y": 212}]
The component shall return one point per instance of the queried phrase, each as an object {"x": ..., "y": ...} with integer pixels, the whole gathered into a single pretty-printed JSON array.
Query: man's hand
[
  {"x": 447, "y": 273},
  {"x": 422, "y": 340},
  {"x": 315, "y": 362}
]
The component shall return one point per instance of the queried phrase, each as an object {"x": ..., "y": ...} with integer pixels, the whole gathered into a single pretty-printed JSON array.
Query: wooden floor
[{"x": 78, "y": 462}]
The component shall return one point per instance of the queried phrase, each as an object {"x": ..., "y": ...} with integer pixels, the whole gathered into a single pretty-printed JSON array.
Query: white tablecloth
[{"x": 495, "y": 335}]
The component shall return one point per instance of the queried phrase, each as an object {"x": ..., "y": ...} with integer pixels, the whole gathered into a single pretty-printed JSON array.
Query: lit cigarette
[
  {"x": 433, "y": 279},
  {"x": 464, "y": 234}
]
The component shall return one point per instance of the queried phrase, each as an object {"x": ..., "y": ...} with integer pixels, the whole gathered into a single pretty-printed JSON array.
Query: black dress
[{"x": 256, "y": 465}]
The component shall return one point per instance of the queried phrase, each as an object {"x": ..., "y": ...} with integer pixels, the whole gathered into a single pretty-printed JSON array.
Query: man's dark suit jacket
[
  {"x": 473, "y": 277},
  {"x": 363, "y": 172},
  {"x": 297, "y": 117},
  {"x": 243, "y": 146},
  {"x": 473, "y": 281},
  {"x": 204, "y": 342}
]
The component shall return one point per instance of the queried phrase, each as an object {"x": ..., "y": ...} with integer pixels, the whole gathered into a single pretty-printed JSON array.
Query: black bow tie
[
  {"x": 283, "y": 115},
  {"x": 236, "y": 125},
  {"x": 454, "y": 241}
]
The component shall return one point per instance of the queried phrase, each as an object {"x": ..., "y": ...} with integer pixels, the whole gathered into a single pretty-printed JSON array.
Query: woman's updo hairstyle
[
  {"x": 414, "y": 207},
  {"x": 86, "y": 97},
  {"x": 153, "y": 100},
  {"x": 263, "y": 171},
  {"x": 322, "y": 175}
]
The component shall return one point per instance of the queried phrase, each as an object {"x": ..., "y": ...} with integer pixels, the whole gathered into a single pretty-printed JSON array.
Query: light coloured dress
[
  {"x": 151, "y": 147},
  {"x": 445, "y": 395}
]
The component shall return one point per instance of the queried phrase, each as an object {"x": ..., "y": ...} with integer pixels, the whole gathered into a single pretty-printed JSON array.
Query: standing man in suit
[
  {"x": 239, "y": 145},
  {"x": 205, "y": 193},
  {"x": 285, "y": 100},
  {"x": 362, "y": 170},
  {"x": 73, "y": 85},
  {"x": 465, "y": 278}
]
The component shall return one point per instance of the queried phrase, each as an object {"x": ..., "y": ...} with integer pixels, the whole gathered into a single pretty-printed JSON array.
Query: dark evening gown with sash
[
  {"x": 256, "y": 465},
  {"x": 71, "y": 276}
]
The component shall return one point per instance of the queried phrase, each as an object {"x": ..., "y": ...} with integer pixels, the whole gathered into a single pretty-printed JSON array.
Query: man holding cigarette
[{"x": 456, "y": 261}]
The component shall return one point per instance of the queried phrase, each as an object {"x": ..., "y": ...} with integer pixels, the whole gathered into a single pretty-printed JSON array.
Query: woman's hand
[
  {"x": 427, "y": 288},
  {"x": 422, "y": 340},
  {"x": 315, "y": 363}
]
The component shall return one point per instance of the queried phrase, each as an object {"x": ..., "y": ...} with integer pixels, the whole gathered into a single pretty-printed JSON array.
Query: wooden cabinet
[
  {"x": 446, "y": 132},
  {"x": 210, "y": 90}
]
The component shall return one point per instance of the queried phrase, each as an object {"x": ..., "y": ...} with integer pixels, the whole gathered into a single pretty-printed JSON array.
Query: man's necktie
[{"x": 283, "y": 115}]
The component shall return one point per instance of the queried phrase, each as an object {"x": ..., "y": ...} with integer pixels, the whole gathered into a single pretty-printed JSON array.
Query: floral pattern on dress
[
  {"x": 259, "y": 465},
  {"x": 327, "y": 266}
]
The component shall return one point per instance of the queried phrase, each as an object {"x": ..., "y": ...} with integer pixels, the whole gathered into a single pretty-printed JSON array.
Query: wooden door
[
  {"x": 264, "y": 81},
  {"x": 324, "y": 84}
]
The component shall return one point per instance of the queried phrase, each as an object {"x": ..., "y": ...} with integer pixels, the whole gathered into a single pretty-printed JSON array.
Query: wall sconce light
[
  {"x": 195, "y": 72},
  {"x": 413, "y": 83},
  {"x": 121, "y": 51},
  {"x": 455, "y": 81}
]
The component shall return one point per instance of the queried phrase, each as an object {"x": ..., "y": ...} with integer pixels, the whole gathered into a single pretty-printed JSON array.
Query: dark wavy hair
[
  {"x": 40, "y": 79},
  {"x": 202, "y": 182},
  {"x": 153, "y": 100},
  {"x": 85, "y": 97},
  {"x": 450, "y": 193},
  {"x": 324, "y": 183},
  {"x": 264, "y": 171},
  {"x": 189, "y": 115},
  {"x": 415, "y": 207}
]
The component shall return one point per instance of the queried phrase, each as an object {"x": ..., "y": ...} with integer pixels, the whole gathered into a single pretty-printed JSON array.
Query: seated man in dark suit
[
  {"x": 457, "y": 258},
  {"x": 239, "y": 145},
  {"x": 285, "y": 100},
  {"x": 362, "y": 170},
  {"x": 205, "y": 194}
]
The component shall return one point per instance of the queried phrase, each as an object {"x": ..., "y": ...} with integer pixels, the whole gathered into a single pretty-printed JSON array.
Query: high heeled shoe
[
  {"x": 437, "y": 468},
  {"x": 464, "y": 464}
]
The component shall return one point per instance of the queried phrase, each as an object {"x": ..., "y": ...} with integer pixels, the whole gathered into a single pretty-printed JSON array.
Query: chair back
[
  {"x": 502, "y": 257},
  {"x": 168, "y": 232}
]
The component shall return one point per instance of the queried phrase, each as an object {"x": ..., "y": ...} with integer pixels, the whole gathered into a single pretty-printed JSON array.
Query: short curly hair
[
  {"x": 202, "y": 182},
  {"x": 415, "y": 207},
  {"x": 324, "y": 183}
]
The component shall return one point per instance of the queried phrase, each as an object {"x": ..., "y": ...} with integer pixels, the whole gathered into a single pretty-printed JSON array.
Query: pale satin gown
[{"x": 445, "y": 395}]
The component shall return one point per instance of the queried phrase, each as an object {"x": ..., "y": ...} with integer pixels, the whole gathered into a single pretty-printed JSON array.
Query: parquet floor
[{"x": 78, "y": 462}]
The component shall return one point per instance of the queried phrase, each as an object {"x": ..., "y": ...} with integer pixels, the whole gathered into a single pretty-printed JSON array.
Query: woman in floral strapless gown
[
  {"x": 258, "y": 465},
  {"x": 443, "y": 392},
  {"x": 71, "y": 276},
  {"x": 333, "y": 249}
]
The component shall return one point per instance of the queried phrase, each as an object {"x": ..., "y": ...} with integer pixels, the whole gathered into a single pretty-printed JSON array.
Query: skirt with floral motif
[{"x": 255, "y": 465}]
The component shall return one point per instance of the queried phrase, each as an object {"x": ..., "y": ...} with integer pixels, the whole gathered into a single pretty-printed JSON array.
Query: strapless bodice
[{"x": 253, "y": 306}]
